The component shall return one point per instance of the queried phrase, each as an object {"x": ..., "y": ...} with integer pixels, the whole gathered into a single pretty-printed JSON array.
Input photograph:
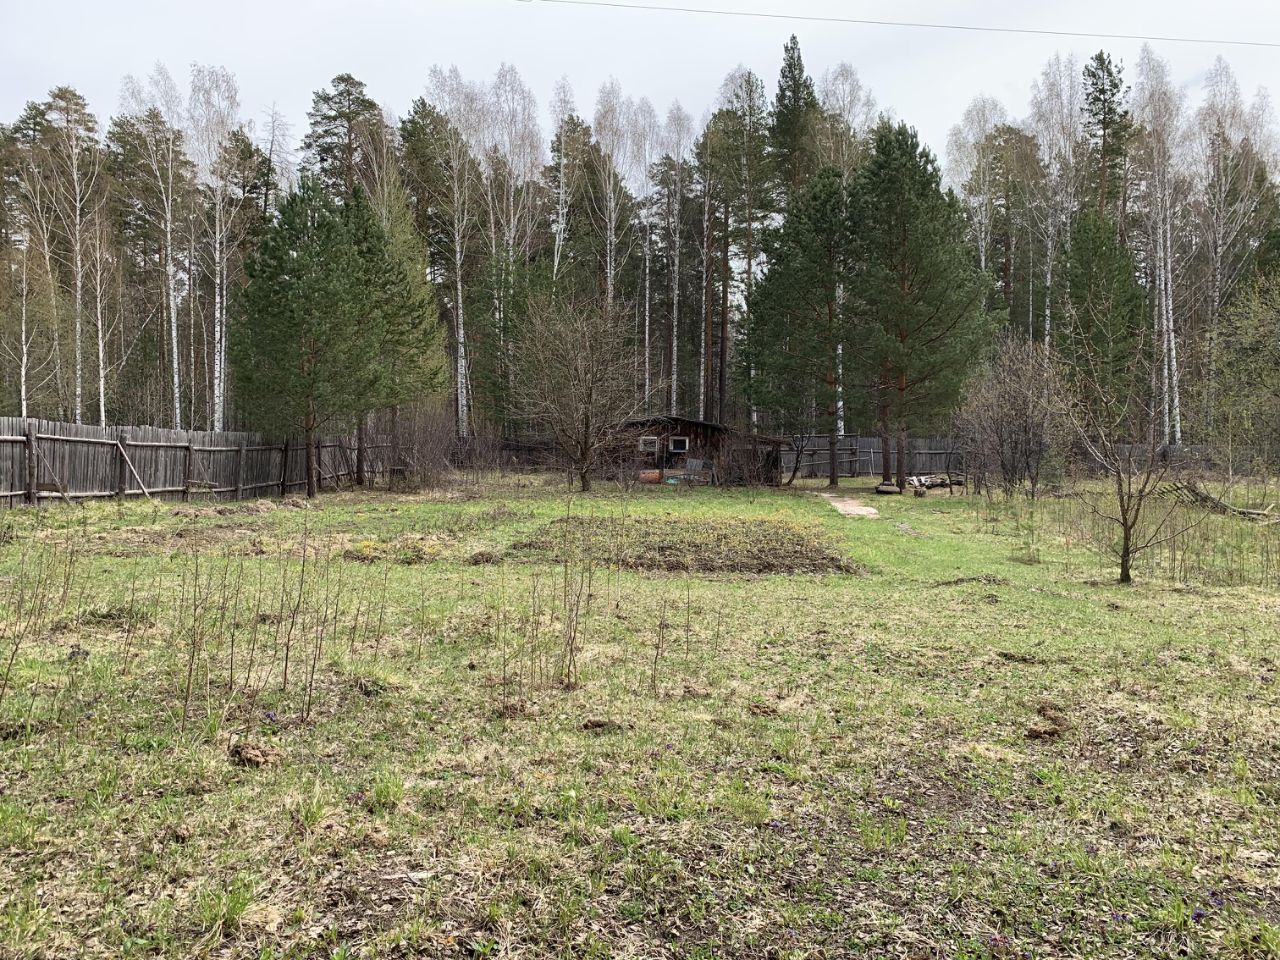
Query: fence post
[
  {"x": 186, "y": 471},
  {"x": 122, "y": 468},
  {"x": 284, "y": 467},
  {"x": 240, "y": 472},
  {"x": 30, "y": 448}
]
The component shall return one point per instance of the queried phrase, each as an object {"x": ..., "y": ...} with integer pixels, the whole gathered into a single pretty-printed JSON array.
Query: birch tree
[
  {"x": 1232, "y": 146},
  {"x": 1056, "y": 101},
  {"x": 848, "y": 116},
  {"x": 612, "y": 204},
  {"x": 645, "y": 137},
  {"x": 1159, "y": 112},
  {"x": 972, "y": 168},
  {"x": 38, "y": 215},
  {"x": 103, "y": 279},
  {"x": 152, "y": 124},
  {"x": 30, "y": 350},
  {"x": 568, "y": 151},
  {"x": 677, "y": 140},
  {"x": 446, "y": 130},
  {"x": 213, "y": 116},
  {"x": 510, "y": 144},
  {"x": 75, "y": 165},
  {"x": 281, "y": 167}
]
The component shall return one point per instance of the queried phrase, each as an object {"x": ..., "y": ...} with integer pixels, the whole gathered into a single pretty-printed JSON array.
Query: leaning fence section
[{"x": 45, "y": 459}]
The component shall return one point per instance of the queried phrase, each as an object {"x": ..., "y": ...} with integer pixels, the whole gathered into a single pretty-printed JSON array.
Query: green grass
[{"x": 502, "y": 734}]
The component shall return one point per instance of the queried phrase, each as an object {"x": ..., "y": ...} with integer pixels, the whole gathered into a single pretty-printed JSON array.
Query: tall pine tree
[
  {"x": 919, "y": 294},
  {"x": 332, "y": 327},
  {"x": 798, "y": 323},
  {"x": 335, "y": 143},
  {"x": 1109, "y": 127},
  {"x": 796, "y": 111}
]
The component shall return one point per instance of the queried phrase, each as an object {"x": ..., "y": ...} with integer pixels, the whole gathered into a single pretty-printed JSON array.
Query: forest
[{"x": 795, "y": 261}]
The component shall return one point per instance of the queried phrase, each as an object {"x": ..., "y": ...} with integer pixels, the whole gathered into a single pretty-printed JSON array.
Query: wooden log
[
  {"x": 164, "y": 444},
  {"x": 137, "y": 476},
  {"x": 59, "y": 438}
]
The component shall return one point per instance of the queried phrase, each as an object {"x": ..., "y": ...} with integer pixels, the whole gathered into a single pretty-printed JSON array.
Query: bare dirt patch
[
  {"x": 849, "y": 507},
  {"x": 689, "y": 545}
]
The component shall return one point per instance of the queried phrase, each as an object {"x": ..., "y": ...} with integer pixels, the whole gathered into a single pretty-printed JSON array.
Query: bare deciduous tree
[
  {"x": 1113, "y": 418},
  {"x": 576, "y": 383},
  {"x": 1011, "y": 423}
]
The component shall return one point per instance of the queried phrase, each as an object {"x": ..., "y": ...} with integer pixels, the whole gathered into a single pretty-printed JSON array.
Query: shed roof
[{"x": 671, "y": 420}]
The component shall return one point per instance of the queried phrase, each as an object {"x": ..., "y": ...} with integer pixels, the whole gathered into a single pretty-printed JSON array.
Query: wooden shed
[{"x": 670, "y": 448}]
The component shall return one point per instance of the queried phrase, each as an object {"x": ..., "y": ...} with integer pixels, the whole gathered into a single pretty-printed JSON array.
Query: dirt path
[{"x": 849, "y": 507}]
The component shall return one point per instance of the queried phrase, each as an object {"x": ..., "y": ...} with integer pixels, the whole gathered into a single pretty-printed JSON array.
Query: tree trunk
[
  {"x": 584, "y": 479},
  {"x": 886, "y": 461},
  {"x": 902, "y": 458},
  {"x": 833, "y": 464},
  {"x": 722, "y": 392},
  {"x": 1126, "y": 556},
  {"x": 706, "y": 405},
  {"x": 648, "y": 351},
  {"x": 311, "y": 462},
  {"x": 360, "y": 449}
]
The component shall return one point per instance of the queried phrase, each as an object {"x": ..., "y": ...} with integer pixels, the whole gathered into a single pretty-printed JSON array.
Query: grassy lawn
[{"x": 496, "y": 721}]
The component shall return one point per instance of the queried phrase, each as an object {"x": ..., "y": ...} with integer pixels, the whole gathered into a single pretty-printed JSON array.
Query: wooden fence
[
  {"x": 44, "y": 459},
  {"x": 861, "y": 456}
]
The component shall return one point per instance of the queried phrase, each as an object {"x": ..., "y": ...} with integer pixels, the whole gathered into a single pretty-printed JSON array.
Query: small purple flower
[
  {"x": 1197, "y": 915},
  {"x": 1215, "y": 898},
  {"x": 1091, "y": 850},
  {"x": 271, "y": 715}
]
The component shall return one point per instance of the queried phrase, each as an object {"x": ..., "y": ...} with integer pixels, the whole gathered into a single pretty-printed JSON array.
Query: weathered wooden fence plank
[{"x": 43, "y": 459}]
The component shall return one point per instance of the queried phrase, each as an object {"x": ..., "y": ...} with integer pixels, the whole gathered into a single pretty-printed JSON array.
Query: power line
[{"x": 652, "y": 7}]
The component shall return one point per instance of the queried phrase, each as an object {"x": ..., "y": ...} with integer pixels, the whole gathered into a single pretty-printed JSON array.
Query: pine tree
[
  {"x": 335, "y": 142},
  {"x": 330, "y": 328},
  {"x": 1110, "y": 130},
  {"x": 1104, "y": 306},
  {"x": 798, "y": 325},
  {"x": 918, "y": 292},
  {"x": 796, "y": 111}
]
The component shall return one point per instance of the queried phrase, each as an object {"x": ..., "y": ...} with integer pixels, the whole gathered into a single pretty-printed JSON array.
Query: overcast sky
[{"x": 282, "y": 50}]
